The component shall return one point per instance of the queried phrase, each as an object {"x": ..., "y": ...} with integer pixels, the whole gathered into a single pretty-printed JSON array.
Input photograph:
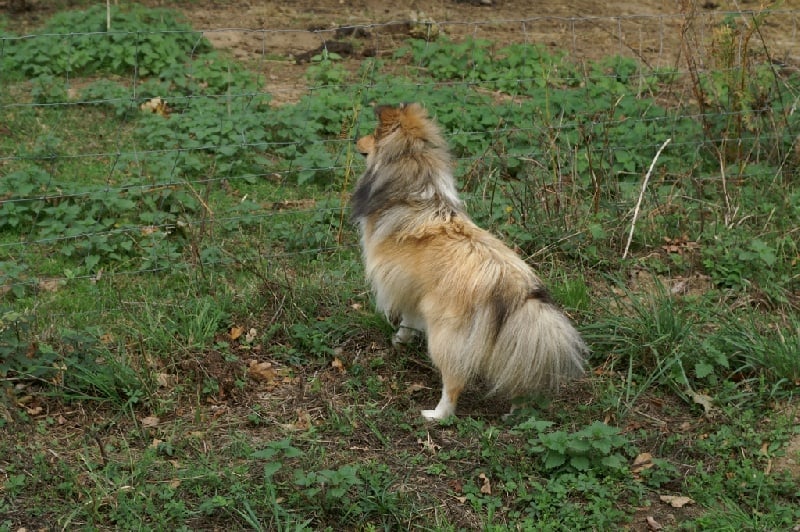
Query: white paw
[{"x": 436, "y": 415}]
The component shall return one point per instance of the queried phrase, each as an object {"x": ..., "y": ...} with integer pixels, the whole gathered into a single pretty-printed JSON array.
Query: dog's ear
[
  {"x": 388, "y": 120},
  {"x": 387, "y": 114}
]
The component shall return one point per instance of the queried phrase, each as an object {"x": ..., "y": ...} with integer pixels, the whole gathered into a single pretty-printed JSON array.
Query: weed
[{"x": 141, "y": 40}]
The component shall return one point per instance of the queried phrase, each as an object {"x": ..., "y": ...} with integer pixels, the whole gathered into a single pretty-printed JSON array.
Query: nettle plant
[
  {"x": 597, "y": 447},
  {"x": 141, "y": 40},
  {"x": 95, "y": 224}
]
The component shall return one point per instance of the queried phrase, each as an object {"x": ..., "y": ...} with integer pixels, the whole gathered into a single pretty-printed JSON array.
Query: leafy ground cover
[{"x": 186, "y": 340}]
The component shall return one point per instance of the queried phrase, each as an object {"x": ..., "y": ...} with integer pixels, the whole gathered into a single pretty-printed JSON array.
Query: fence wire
[{"x": 166, "y": 179}]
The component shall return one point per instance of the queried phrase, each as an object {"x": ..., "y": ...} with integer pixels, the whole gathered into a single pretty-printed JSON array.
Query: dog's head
[
  {"x": 407, "y": 122},
  {"x": 407, "y": 163}
]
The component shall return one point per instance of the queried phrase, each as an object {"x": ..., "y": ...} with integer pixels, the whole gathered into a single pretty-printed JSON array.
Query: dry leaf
[
  {"x": 764, "y": 448},
  {"x": 486, "y": 487},
  {"x": 652, "y": 524},
  {"x": 34, "y": 411},
  {"x": 251, "y": 335},
  {"x": 261, "y": 371},
  {"x": 236, "y": 332},
  {"x": 337, "y": 364},
  {"x": 303, "y": 420},
  {"x": 163, "y": 379},
  {"x": 642, "y": 462},
  {"x": 703, "y": 400},
  {"x": 107, "y": 338},
  {"x": 24, "y": 400},
  {"x": 150, "y": 421},
  {"x": 155, "y": 443},
  {"x": 676, "y": 501},
  {"x": 415, "y": 387},
  {"x": 462, "y": 500}
]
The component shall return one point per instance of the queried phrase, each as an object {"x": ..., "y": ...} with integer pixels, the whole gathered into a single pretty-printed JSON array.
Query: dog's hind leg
[
  {"x": 446, "y": 349},
  {"x": 452, "y": 387}
]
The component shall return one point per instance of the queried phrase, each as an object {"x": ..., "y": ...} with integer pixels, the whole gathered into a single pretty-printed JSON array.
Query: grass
[{"x": 187, "y": 341}]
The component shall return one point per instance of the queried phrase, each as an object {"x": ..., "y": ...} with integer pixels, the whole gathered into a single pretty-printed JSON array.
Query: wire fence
[{"x": 115, "y": 166}]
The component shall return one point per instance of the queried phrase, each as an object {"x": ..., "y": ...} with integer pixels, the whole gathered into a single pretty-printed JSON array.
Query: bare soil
[{"x": 269, "y": 33}]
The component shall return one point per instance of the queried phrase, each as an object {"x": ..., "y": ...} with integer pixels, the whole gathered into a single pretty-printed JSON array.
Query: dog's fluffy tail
[{"x": 536, "y": 350}]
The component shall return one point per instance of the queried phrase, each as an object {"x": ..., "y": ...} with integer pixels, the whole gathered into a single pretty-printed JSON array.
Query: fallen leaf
[
  {"x": 642, "y": 462},
  {"x": 337, "y": 364},
  {"x": 261, "y": 371},
  {"x": 303, "y": 420},
  {"x": 35, "y": 411},
  {"x": 486, "y": 487},
  {"x": 155, "y": 443},
  {"x": 676, "y": 501},
  {"x": 251, "y": 335},
  {"x": 150, "y": 421},
  {"x": 415, "y": 387},
  {"x": 163, "y": 379},
  {"x": 764, "y": 449},
  {"x": 107, "y": 339},
  {"x": 462, "y": 500},
  {"x": 703, "y": 400},
  {"x": 236, "y": 332},
  {"x": 652, "y": 524},
  {"x": 24, "y": 400}
]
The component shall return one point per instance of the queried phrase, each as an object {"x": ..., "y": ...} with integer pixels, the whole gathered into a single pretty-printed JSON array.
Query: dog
[{"x": 484, "y": 311}]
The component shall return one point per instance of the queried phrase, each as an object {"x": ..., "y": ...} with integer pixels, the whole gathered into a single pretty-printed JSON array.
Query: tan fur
[{"x": 483, "y": 309}]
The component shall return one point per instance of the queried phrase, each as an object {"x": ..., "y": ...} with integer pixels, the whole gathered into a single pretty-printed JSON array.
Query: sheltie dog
[{"x": 484, "y": 311}]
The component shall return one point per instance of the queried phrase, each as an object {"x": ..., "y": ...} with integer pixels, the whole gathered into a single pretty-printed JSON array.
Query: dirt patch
[
  {"x": 271, "y": 36},
  {"x": 790, "y": 460},
  {"x": 585, "y": 29}
]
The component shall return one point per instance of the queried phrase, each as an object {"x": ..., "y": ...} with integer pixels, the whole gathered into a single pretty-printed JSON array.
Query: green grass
[{"x": 187, "y": 341}]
